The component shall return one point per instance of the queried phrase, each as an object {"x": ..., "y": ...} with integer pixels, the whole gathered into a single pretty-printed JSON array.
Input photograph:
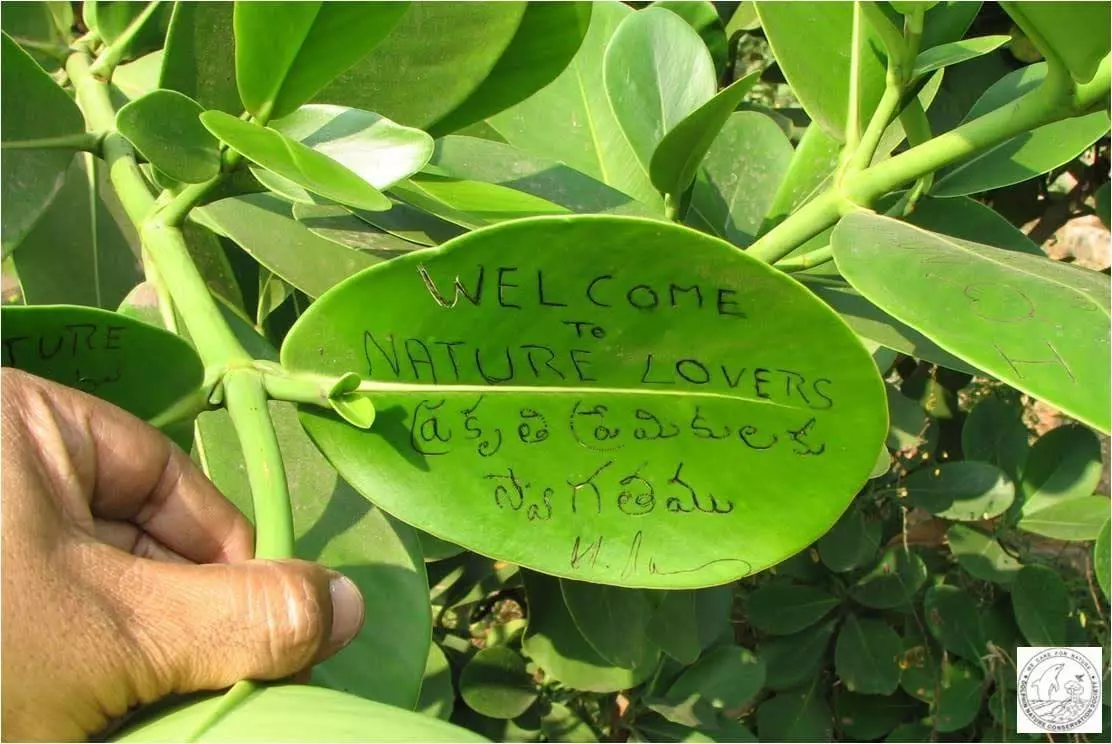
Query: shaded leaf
[
  {"x": 688, "y": 621},
  {"x": 953, "y": 618},
  {"x": 865, "y": 656},
  {"x": 337, "y": 224},
  {"x": 1072, "y": 32},
  {"x": 725, "y": 677},
  {"x": 1042, "y": 605},
  {"x": 494, "y": 682},
  {"x": 960, "y": 696},
  {"x": 437, "y": 693},
  {"x": 111, "y": 18},
  {"x": 994, "y": 432},
  {"x": 852, "y": 540},
  {"x": 783, "y": 609},
  {"x": 966, "y": 490},
  {"x": 613, "y": 620},
  {"x": 796, "y": 715},
  {"x": 955, "y": 52},
  {"x": 893, "y": 582},
  {"x": 869, "y": 717},
  {"x": 795, "y": 659},
  {"x": 1102, "y": 564}
]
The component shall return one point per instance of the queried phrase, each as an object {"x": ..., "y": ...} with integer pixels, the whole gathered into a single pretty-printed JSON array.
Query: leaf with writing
[
  {"x": 131, "y": 364},
  {"x": 575, "y": 383},
  {"x": 1004, "y": 308}
]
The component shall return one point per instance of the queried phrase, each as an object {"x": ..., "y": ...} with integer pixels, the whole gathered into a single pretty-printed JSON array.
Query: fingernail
[{"x": 347, "y": 611}]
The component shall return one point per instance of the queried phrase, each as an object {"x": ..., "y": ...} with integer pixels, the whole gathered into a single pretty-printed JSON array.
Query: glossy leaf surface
[
  {"x": 31, "y": 179},
  {"x": 1005, "y": 308},
  {"x": 290, "y": 159},
  {"x": 596, "y": 415},
  {"x": 657, "y": 73},
  {"x": 571, "y": 120},
  {"x": 296, "y": 713},
  {"x": 138, "y": 367},
  {"x": 340, "y": 226},
  {"x": 1024, "y": 156},
  {"x": 165, "y": 127},
  {"x": 287, "y": 52}
]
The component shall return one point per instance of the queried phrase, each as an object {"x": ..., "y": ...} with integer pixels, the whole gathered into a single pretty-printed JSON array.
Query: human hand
[{"x": 127, "y": 576}]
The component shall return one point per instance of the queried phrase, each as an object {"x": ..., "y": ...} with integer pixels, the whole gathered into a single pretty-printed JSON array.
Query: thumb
[{"x": 205, "y": 627}]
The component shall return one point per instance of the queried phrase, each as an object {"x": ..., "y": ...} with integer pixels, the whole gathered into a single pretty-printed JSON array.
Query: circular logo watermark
[{"x": 1059, "y": 690}]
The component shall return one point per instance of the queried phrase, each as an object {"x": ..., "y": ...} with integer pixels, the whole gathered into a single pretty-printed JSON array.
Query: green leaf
[
  {"x": 437, "y": 693},
  {"x": 570, "y": 120},
  {"x": 1042, "y": 605},
  {"x": 981, "y": 555},
  {"x": 199, "y": 59},
  {"x": 137, "y": 79},
  {"x": 955, "y": 52},
  {"x": 1064, "y": 463},
  {"x": 165, "y": 127},
  {"x": 658, "y": 72},
  {"x": 431, "y": 62},
  {"x": 795, "y": 659},
  {"x": 554, "y": 642},
  {"x": 371, "y": 146},
  {"x": 136, "y": 366},
  {"x": 744, "y": 18},
  {"x": 703, "y": 17},
  {"x": 1024, "y": 156},
  {"x": 852, "y": 540},
  {"x": 31, "y": 179},
  {"x": 725, "y": 677},
  {"x": 965, "y": 218},
  {"x": 110, "y": 19},
  {"x": 737, "y": 182},
  {"x": 1102, "y": 563},
  {"x": 494, "y": 682},
  {"x": 783, "y": 609},
  {"x": 1073, "y": 32},
  {"x": 590, "y": 436},
  {"x": 86, "y": 231},
  {"x": 953, "y": 618},
  {"x": 295, "y": 712},
  {"x": 812, "y": 43},
  {"x": 960, "y": 695},
  {"x": 869, "y": 717},
  {"x": 994, "y": 432},
  {"x": 1005, "y": 308},
  {"x": 893, "y": 582},
  {"x": 288, "y": 52},
  {"x": 688, "y": 621},
  {"x": 796, "y": 715},
  {"x": 263, "y": 225},
  {"x": 471, "y": 204},
  {"x": 548, "y": 37},
  {"x": 966, "y": 490},
  {"x": 677, "y": 157},
  {"x": 40, "y": 28},
  {"x": 865, "y": 656},
  {"x": 1068, "y": 519},
  {"x": 337, "y": 224},
  {"x": 290, "y": 159},
  {"x": 613, "y": 620},
  {"x": 411, "y": 224},
  {"x": 473, "y": 159},
  {"x": 814, "y": 161}
]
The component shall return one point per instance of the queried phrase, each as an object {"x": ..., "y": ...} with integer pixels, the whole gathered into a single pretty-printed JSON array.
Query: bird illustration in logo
[{"x": 1047, "y": 683}]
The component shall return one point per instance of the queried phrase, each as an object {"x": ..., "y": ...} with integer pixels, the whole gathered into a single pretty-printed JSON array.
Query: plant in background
[{"x": 670, "y": 397}]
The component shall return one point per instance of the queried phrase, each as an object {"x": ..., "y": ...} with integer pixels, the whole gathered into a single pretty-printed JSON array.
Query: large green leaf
[
  {"x": 287, "y": 52},
  {"x": 494, "y": 682},
  {"x": 313, "y": 170},
  {"x": 337, "y": 527},
  {"x": 1064, "y": 463},
  {"x": 994, "y": 432},
  {"x": 554, "y": 642},
  {"x": 1042, "y": 605},
  {"x": 199, "y": 59},
  {"x": 657, "y": 73},
  {"x": 677, "y": 157},
  {"x": 1026, "y": 155},
  {"x": 865, "y": 656},
  {"x": 613, "y": 620},
  {"x": 591, "y": 406},
  {"x": 471, "y": 204},
  {"x": 474, "y": 159},
  {"x": 263, "y": 226},
  {"x": 704, "y": 18},
  {"x": 432, "y": 60},
  {"x": 37, "y": 108},
  {"x": 967, "y": 490},
  {"x": 570, "y": 119},
  {"x": 165, "y": 127},
  {"x": 1005, "y": 309},
  {"x": 294, "y": 713},
  {"x": 84, "y": 250},
  {"x": 547, "y": 39},
  {"x": 376, "y": 149},
  {"x": 725, "y": 678},
  {"x": 138, "y": 367},
  {"x": 1069, "y": 519},
  {"x": 783, "y": 609},
  {"x": 1073, "y": 32},
  {"x": 739, "y": 176}
]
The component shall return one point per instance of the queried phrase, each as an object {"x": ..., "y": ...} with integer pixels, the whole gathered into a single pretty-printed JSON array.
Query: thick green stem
[
  {"x": 114, "y": 53},
  {"x": 246, "y": 401},
  {"x": 808, "y": 260},
  {"x": 885, "y": 112},
  {"x": 85, "y": 141},
  {"x": 853, "y": 110}
]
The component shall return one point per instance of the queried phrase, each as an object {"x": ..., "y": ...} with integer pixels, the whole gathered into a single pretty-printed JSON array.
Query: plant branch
[
  {"x": 886, "y": 111},
  {"x": 853, "y": 114},
  {"x": 807, "y": 260},
  {"x": 114, "y": 53},
  {"x": 82, "y": 142}
]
